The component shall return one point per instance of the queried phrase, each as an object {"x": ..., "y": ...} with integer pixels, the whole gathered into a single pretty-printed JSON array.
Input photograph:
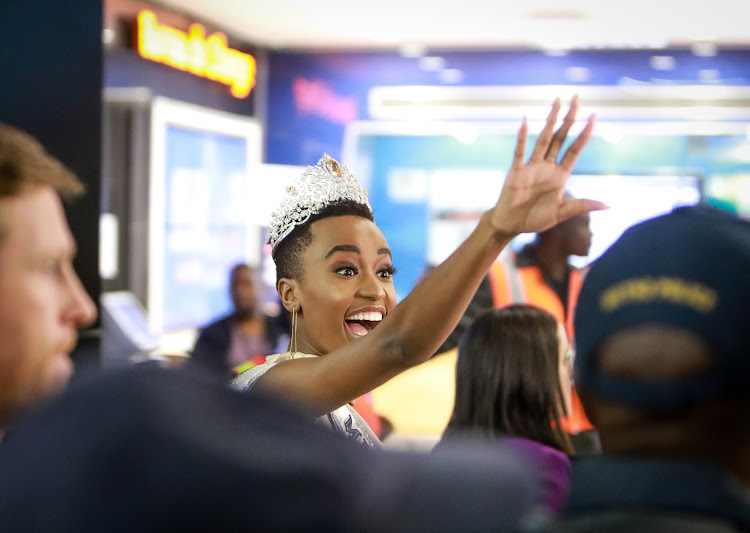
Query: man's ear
[{"x": 288, "y": 290}]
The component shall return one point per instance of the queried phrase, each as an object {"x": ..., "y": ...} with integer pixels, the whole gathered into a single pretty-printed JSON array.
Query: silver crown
[{"x": 319, "y": 186}]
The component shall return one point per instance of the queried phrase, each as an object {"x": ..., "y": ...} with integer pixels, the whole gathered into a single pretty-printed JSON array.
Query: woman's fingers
[
  {"x": 545, "y": 137},
  {"x": 578, "y": 206},
  {"x": 520, "y": 145},
  {"x": 561, "y": 134},
  {"x": 572, "y": 153}
]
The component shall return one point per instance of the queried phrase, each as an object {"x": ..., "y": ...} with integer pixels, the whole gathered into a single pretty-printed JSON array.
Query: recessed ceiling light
[
  {"x": 431, "y": 63},
  {"x": 708, "y": 75},
  {"x": 704, "y": 49},
  {"x": 662, "y": 62},
  {"x": 577, "y": 74},
  {"x": 451, "y": 75},
  {"x": 412, "y": 50}
]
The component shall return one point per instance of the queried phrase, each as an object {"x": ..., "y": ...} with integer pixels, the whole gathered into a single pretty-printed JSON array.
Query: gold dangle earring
[{"x": 293, "y": 337}]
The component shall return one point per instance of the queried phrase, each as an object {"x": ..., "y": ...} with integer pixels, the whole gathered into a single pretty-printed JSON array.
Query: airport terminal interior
[{"x": 193, "y": 117}]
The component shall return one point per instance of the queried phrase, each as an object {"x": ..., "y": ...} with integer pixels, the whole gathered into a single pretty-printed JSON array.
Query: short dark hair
[
  {"x": 507, "y": 377},
  {"x": 288, "y": 254}
]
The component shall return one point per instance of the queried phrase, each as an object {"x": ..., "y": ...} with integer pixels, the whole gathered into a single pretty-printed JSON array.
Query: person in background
[
  {"x": 42, "y": 301},
  {"x": 663, "y": 371},
  {"x": 513, "y": 386},
  {"x": 540, "y": 274},
  {"x": 243, "y": 337},
  {"x": 334, "y": 277}
]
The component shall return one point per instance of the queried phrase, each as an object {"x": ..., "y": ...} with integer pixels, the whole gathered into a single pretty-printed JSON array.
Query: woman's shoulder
[
  {"x": 248, "y": 378},
  {"x": 245, "y": 381}
]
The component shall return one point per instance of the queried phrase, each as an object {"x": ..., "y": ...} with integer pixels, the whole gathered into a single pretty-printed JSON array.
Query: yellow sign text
[{"x": 208, "y": 57}]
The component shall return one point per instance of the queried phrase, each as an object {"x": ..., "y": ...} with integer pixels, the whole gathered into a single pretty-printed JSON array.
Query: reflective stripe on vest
[
  {"x": 506, "y": 286},
  {"x": 525, "y": 285}
]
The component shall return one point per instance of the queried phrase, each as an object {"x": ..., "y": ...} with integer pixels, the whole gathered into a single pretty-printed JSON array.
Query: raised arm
[{"x": 531, "y": 200}]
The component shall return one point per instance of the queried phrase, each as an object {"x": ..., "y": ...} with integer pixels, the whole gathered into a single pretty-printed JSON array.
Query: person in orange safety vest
[{"x": 540, "y": 274}]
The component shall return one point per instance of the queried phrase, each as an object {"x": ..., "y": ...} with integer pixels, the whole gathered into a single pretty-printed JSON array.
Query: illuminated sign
[
  {"x": 315, "y": 97},
  {"x": 208, "y": 57}
]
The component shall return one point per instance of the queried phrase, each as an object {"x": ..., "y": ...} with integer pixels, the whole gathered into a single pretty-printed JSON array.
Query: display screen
[{"x": 204, "y": 223}]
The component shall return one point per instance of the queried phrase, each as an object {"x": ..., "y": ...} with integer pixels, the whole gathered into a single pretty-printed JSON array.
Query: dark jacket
[
  {"x": 214, "y": 340},
  {"x": 172, "y": 451},
  {"x": 616, "y": 493}
]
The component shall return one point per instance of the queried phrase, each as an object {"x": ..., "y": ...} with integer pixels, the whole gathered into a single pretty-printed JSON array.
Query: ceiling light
[
  {"x": 412, "y": 50},
  {"x": 577, "y": 74},
  {"x": 704, "y": 49},
  {"x": 709, "y": 75},
  {"x": 662, "y": 62},
  {"x": 431, "y": 63},
  {"x": 451, "y": 75}
]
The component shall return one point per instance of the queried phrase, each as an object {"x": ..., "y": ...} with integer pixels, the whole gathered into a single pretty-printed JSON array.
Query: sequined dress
[{"x": 344, "y": 420}]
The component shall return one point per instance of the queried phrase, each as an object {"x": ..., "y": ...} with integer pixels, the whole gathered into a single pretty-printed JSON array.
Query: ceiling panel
[{"x": 336, "y": 24}]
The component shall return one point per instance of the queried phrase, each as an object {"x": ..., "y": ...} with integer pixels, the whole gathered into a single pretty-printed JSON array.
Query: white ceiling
[{"x": 549, "y": 24}]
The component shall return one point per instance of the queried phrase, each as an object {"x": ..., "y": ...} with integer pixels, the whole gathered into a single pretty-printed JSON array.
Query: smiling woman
[{"x": 334, "y": 277}]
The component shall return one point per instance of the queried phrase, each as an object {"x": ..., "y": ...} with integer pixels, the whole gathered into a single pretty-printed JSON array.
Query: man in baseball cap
[{"x": 663, "y": 368}]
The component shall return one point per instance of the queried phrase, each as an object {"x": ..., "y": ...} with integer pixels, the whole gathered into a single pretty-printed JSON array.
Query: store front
[{"x": 182, "y": 138}]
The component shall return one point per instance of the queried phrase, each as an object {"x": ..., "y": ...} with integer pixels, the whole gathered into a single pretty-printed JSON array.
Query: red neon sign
[
  {"x": 315, "y": 97},
  {"x": 208, "y": 57}
]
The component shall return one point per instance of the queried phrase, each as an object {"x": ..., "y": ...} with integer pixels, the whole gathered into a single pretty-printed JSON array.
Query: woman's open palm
[{"x": 532, "y": 196}]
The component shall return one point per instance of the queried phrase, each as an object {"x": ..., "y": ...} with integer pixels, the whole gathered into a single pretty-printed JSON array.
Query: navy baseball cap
[{"x": 689, "y": 268}]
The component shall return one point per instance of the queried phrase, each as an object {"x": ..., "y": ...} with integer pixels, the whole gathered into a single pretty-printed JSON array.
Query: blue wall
[{"x": 295, "y": 138}]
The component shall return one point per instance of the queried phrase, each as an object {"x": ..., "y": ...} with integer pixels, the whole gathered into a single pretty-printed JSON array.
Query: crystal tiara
[{"x": 318, "y": 186}]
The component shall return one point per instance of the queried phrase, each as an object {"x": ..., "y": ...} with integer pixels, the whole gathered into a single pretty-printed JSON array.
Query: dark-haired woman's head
[
  {"x": 334, "y": 271},
  {"x": 512, "y": 376},
  {"x": 333, "y": 264}
]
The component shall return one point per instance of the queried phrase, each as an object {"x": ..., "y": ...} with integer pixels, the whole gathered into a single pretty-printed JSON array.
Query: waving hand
[{"x": 532, "y": 196}]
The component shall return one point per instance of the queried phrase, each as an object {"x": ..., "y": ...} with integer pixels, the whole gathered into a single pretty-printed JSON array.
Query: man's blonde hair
[{"x": 25, "y": 163}]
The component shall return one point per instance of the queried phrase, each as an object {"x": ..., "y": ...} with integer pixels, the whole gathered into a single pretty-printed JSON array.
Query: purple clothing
[{"x": 552, "y": 465}]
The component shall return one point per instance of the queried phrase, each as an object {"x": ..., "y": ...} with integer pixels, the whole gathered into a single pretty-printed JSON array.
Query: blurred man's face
[
  {"x": 578, "y": 235},
  {"x": 242, "y": 291},
  {"x": 42, "y": 301}
]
